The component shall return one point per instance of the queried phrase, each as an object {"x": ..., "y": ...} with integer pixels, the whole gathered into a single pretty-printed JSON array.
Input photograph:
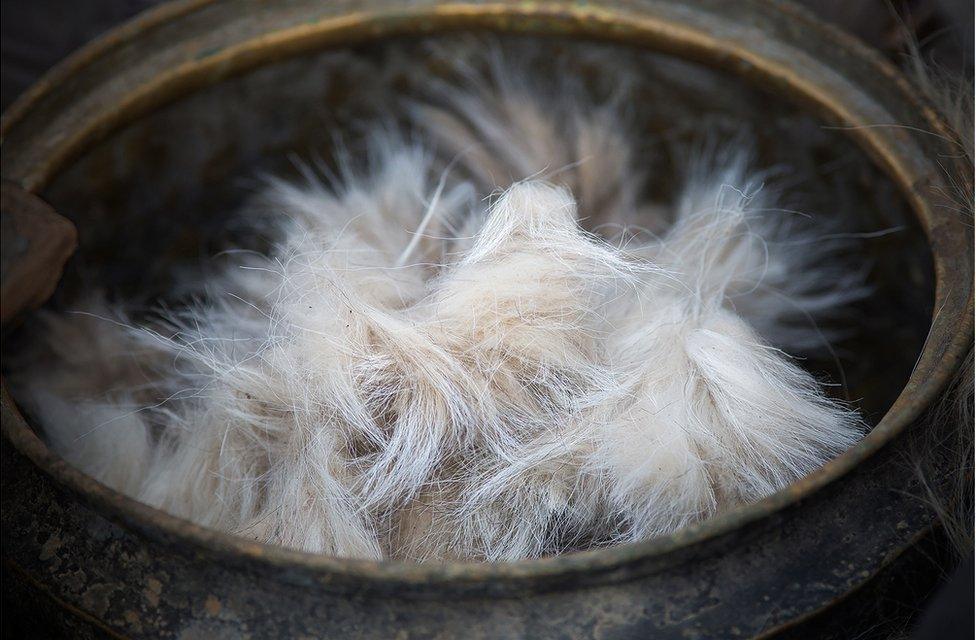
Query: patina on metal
[{"x": 125, "y": 569}]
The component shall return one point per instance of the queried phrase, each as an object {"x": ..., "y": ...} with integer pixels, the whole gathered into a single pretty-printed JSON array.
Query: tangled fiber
[{"x": 483, "y": 343}]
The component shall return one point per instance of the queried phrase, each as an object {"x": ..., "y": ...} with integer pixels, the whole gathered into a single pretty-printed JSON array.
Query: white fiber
[{"x": 440, "y": 358}]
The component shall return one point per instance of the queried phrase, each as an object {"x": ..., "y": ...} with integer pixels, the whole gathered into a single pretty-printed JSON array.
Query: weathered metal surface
[{"x": 124, "y": 567}]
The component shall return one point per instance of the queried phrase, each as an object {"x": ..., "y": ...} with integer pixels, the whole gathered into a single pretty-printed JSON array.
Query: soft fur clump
[{"x": 437, "y": 360}]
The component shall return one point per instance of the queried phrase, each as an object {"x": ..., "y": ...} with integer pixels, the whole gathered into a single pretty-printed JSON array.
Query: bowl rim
[{"x": 650, "y": 24}]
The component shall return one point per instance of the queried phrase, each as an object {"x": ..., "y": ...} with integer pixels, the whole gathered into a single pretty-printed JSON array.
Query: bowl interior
[{"x": 158, "y": 197}]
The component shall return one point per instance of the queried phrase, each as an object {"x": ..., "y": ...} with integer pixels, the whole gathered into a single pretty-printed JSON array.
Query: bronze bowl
[{"x": 95, "y": 562}]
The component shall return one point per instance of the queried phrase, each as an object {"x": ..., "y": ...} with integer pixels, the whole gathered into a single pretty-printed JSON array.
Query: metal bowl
[{"x": 100, "y": 563}]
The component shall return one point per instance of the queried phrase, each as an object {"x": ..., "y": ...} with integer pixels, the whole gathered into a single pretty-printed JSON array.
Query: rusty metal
[{"x": 126, "y": 569}]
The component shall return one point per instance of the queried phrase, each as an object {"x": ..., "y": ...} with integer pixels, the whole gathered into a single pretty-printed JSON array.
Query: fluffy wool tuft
[{"x": 437, "y": 360}]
